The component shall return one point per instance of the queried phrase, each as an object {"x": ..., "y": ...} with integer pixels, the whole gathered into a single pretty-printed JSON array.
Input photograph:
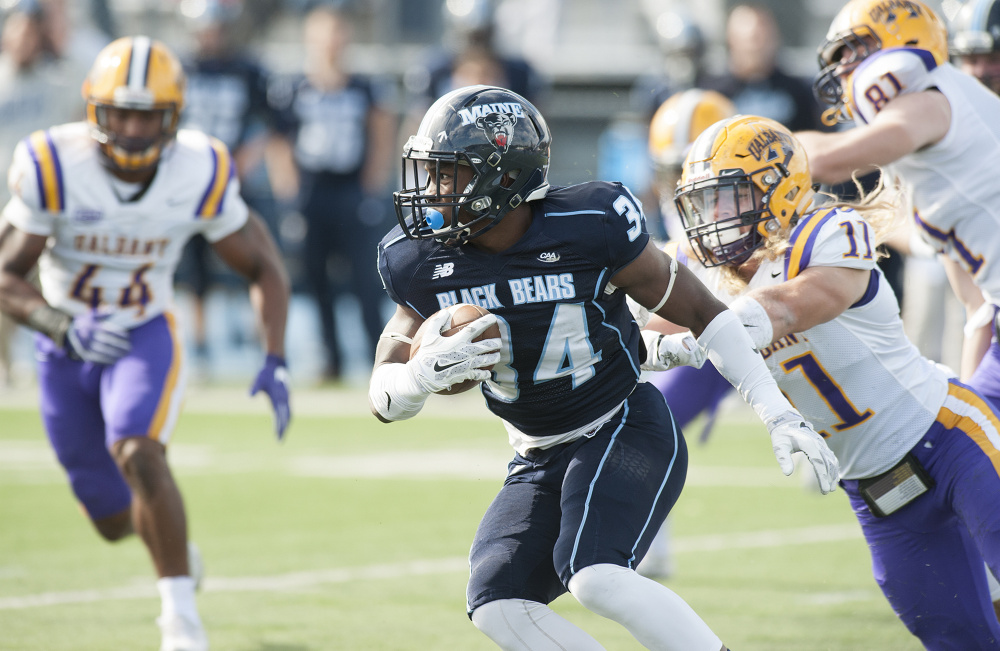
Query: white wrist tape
[
  {"x": 981, "y": 317},
  {"x": 755, "y": 319},
  {"x": 395, "y": 393},
  {"x": 731, "y": 350},
  {"x": 919, "y": 247}
]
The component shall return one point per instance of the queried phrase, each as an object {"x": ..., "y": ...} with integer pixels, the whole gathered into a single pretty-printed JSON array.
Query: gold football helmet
[
  {"x": 680, "y": 120},
  {"x": 745, "y": 179},
  {"x": 866, "y": 26},
  {"x": 134, "y": 73}
]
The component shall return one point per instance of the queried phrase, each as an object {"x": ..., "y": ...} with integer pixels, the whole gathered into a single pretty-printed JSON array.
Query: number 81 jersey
[{"x": 109, "y": 253}]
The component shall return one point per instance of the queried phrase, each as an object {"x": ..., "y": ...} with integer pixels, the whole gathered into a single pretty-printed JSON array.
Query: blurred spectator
[
  {"x": 623, "y": 145},
  {"x": 339, "y": 146},
  {"x": 755, "y": 81},
  {"x": 682, "y": 65},
  {"x": 38, "y": 88},
  {"x": 226, "y": 98},
  {"x": 470, "y": 57}
]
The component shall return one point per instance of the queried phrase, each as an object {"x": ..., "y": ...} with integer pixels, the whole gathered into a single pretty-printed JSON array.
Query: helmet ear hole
[{"x": 507, "y": 180}]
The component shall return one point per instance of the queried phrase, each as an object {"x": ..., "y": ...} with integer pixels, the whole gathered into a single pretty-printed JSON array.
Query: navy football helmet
[
  {"x": 495, "y": 132},
  {"x": 975, "y": 41}
]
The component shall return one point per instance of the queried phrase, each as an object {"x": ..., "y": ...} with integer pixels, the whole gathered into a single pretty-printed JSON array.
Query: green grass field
[{"x": 353, "y": 535}]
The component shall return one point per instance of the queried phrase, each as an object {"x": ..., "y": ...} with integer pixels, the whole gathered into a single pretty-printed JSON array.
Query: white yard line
[
  {"x": 307, "y": 580},
  {"x": 33, "y": 462}
]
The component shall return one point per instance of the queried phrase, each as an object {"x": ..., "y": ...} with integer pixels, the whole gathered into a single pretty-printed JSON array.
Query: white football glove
[
  {"x": 664, "y": 352},
  {"x": 442, "y": 362},
  {"x": 639, "y": 313},
  {"x": 789, "y": 434}
]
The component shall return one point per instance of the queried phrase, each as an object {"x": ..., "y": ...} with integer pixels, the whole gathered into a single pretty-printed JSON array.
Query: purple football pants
[
  {"x": 690, "y": 391},
  {"x": 87, "y": 407},
  {"x": 986, "y": 379},
  {"x": 928, "y": 556}
]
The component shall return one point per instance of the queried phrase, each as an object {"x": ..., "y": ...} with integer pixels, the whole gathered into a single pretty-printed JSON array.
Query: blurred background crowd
[{"x": 315, "y": 99}]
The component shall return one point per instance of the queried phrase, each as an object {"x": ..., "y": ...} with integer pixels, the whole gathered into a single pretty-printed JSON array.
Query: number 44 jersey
[
  {"x": 570, "y": 346},
  {"x": 106, "y": 251}
]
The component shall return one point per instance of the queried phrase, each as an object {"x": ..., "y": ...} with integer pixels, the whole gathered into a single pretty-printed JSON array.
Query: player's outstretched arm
[
  {"x": 674, "y": 293},
  {"x": 815, "y": 296},
  {"x": 251, "y": 251},
  {"x": 906, "y": 124}
]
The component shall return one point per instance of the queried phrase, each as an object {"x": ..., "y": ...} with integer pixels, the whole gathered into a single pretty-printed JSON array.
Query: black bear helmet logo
[{"x": 499, "y": 128}]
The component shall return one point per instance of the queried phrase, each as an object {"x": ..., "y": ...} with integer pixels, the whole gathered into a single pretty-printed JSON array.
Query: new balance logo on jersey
[
  {"x": 443, "y": 270},
  {"x": 548, "y": 256}
]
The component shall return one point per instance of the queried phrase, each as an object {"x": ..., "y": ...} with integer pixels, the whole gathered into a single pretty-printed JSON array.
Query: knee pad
[
  {"x": 651, "y": 612},
  {"x": 600, "y": 588},
  {"x": 521, "y": 625}
]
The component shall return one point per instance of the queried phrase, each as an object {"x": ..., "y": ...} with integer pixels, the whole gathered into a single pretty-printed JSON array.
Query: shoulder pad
[
  {"x": 835, "y": 237},
  {"x": 36, "y": 174},
  {"x": 221, "y": 172},
  {"x": 888, "y": 74}
]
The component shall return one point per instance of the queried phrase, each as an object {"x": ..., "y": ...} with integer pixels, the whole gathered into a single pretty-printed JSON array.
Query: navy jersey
[
  {"x": 226, "y": 98},
  {"x": 329, "y": 128},
  {"x": 570, "y": 348}
]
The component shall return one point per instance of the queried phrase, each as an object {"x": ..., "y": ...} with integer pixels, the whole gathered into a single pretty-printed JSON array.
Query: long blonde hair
[{"x": 884, "y": 209}]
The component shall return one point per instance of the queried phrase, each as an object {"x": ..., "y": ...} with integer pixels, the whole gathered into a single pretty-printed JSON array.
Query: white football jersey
[
  {"x": 856, "y": 378},
  {"x": 953, "y": 183},
  {"x": 106, "y": 252}
]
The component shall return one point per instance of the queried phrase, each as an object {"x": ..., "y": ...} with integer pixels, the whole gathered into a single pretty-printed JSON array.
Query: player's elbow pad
[{"x": 394, "y": 394}]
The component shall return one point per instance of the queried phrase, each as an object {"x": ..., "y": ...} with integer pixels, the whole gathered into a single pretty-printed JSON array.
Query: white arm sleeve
[
  {"x": 730, "y": 349},
  {"x": 755, "y": 319}
]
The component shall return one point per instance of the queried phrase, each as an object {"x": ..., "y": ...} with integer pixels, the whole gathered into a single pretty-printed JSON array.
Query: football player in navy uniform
[
  {"x": 599, "y": 462},
  {"x": 975, "y": 41}
]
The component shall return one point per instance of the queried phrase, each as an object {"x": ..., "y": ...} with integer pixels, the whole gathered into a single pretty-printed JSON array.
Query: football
[{"x": 462, "y": 314}]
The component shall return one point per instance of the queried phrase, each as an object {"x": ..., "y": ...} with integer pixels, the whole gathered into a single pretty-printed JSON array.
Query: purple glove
[
  {"x": 92, "y": 338},
  {"x": 273, "y": 380}
]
